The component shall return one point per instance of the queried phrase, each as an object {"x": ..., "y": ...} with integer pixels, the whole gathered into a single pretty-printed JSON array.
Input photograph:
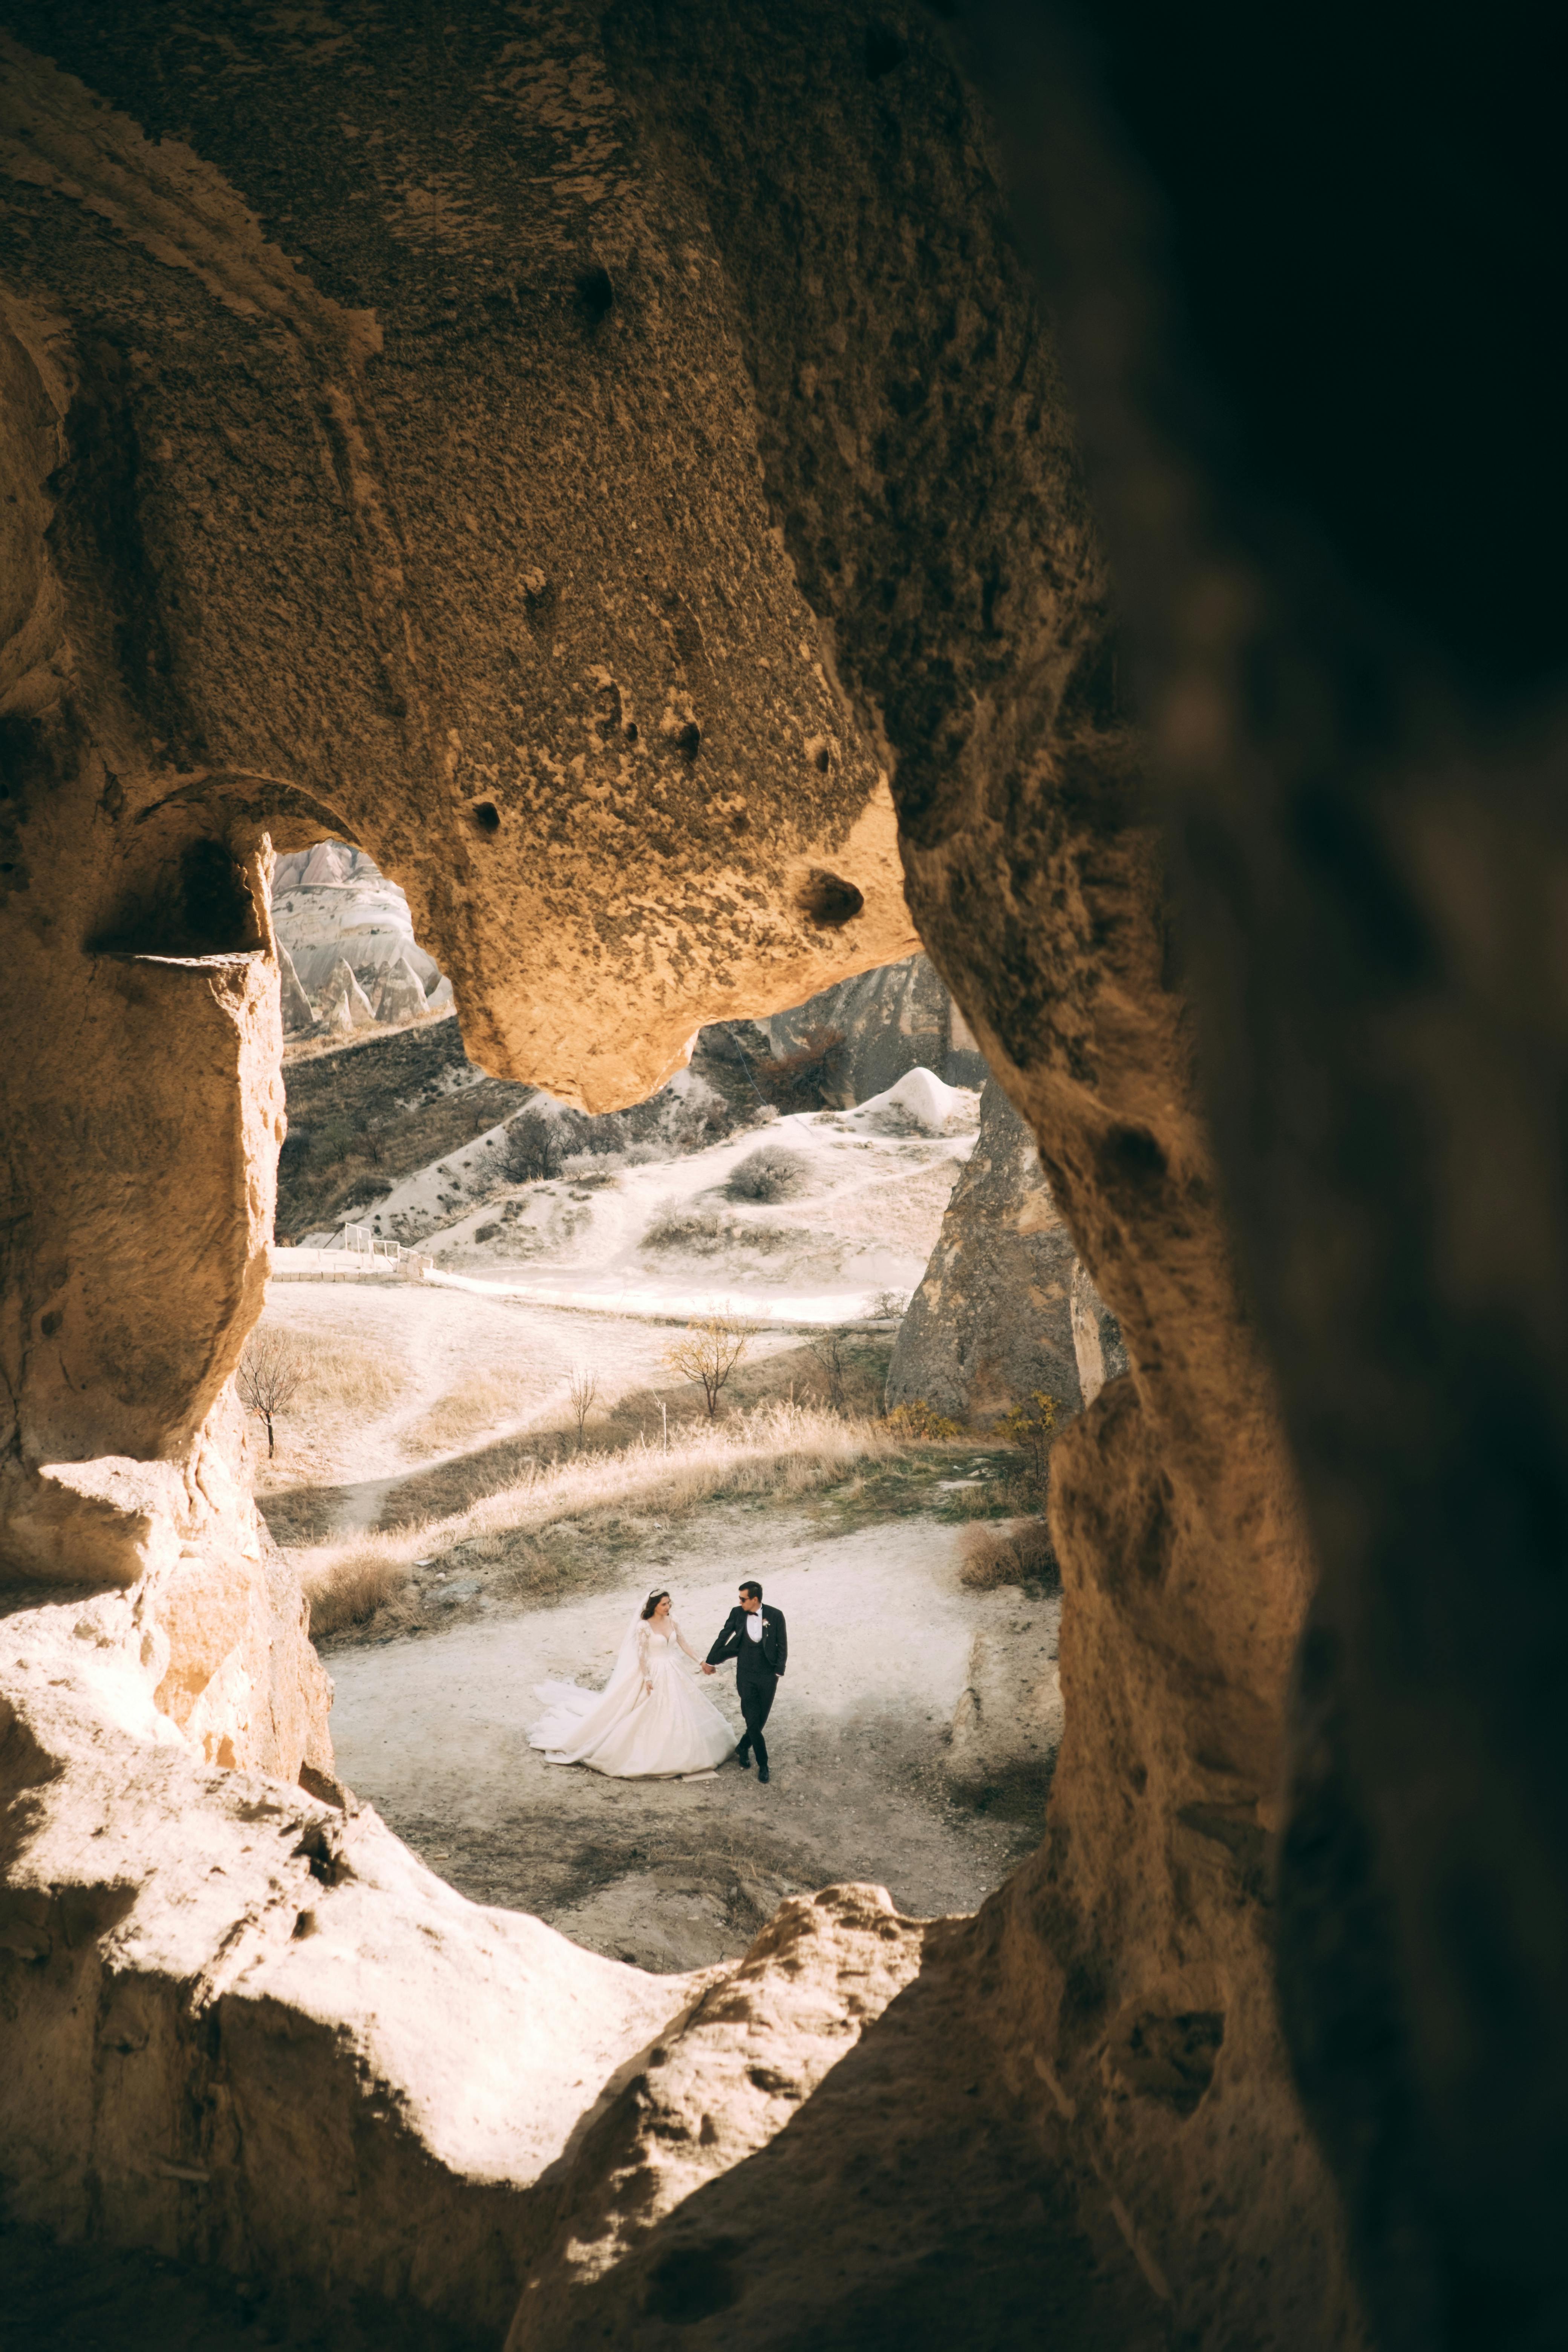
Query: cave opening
[{"x": 520, "y": 1365}]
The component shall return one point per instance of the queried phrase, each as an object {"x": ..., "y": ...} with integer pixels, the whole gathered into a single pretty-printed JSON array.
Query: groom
[{"x": 755, "y": 1638}]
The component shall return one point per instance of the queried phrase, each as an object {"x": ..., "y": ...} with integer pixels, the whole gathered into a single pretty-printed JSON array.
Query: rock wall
[
  {"x": 993, "y": 1323},
  {"x": 609, "y": 466},
  {"x": 1354, "y": 699},
  {"x": 435, "y": 537}
]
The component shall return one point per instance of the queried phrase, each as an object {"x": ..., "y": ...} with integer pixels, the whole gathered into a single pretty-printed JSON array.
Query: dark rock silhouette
[{"x": 993, "y": 1325}]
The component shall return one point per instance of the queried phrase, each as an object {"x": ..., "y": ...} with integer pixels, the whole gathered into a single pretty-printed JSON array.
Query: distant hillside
[
  {"x": 364, "y": 1114},
  {"x": 373, "y": 1109}
]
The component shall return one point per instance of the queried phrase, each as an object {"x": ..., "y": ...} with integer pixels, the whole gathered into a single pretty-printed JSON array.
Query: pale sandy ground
[{"x": 432, "y": 1731}]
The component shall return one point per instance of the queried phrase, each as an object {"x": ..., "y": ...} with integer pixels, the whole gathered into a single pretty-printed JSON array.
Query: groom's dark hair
[{"x": 755, "y": 1589}]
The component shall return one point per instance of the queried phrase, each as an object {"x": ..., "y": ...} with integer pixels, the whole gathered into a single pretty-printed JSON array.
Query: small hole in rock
[
  {"x": 631, "y": 730},
  {"x": 884, "y": 50},
  {"x": 487, "y": 816},
  {"x": 689, "y": 742},
  {"x": 823, "y": 759},
  {"x": 828, "y": 900},
  {"x": 693, "y": 2283},
  {"x": 595, "y": 294}
]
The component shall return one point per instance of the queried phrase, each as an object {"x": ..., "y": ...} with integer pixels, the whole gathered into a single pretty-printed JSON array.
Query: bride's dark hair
[{"x": 652, "y": 1603}]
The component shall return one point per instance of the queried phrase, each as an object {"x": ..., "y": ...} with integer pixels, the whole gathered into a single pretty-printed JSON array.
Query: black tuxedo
[{"x": 758, "y": 1665}]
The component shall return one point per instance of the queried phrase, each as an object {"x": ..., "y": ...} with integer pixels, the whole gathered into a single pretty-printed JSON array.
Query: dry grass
[
  {"x": 483, "y": 1399},
  {"x": 354, "y": 1588},
  {"x": 778, "y": 1449},
  {"x": 342, "y": 1379},
  {"x": 1018, "y": 1553},
  {"x": 344, "y": 1388}
]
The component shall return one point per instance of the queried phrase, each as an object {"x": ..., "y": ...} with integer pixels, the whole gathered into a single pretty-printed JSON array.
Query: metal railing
[{"x": 360, "y": 1239}]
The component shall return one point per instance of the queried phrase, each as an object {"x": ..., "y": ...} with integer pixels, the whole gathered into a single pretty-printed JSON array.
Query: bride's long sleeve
[
  {"x": 644, "y": 1670},
  {"x": 686, "y": 1645}
]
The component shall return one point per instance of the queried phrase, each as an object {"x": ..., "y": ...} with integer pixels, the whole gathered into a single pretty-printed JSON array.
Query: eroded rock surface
[
  {"x": 1007, "y": 1726},
  {"x": 610, "y": 468},
  {"x": 220, "y": 1993}
]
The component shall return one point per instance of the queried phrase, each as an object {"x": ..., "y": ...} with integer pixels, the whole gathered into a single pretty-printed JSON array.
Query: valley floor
[
  {"x": 674, "y": 1876},
  {"x": 421, "y": 1404}
]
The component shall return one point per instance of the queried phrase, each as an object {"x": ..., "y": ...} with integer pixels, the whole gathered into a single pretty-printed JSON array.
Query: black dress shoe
[
  {"x": 761, "y": 1772},
  {"x": 743, "y": 1759}
]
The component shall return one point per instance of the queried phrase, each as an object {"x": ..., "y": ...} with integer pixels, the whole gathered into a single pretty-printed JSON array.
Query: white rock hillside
[{"x": 335, "y": 912}]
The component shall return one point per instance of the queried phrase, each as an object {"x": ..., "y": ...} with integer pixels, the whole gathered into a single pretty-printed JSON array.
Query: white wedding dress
[{"x": 628, "y": 1730}]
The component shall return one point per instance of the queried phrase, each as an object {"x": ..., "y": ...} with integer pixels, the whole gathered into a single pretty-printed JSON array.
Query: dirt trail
[{"x": 432, "y": 1731}]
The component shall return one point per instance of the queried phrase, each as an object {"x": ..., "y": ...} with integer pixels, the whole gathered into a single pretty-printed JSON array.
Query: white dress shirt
[{"x": 754, "y": 1624}]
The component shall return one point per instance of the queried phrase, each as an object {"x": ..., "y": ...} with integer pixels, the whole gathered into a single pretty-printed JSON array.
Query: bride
[{"x": 650, "y": 1722}]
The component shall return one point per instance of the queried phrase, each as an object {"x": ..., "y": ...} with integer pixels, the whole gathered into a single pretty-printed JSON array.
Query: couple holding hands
[{"x": 652, "y": 1721}]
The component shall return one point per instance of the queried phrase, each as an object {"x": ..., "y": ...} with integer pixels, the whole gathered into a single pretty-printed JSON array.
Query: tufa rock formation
[
  {"x": 344, "y": 1003},
  {"x": 1095, "y": 1336},
  {"x": 401, "y": 996},
  {"x": 609, "y": 466},
  {"x": 298, "y": 1016},
  {"x": 994, "y": 1321},
  {"x": 331, "y": 904}
]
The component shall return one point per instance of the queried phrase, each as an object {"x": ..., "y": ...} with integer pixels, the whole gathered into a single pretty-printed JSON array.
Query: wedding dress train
[{"x": 627, "y": 1730}]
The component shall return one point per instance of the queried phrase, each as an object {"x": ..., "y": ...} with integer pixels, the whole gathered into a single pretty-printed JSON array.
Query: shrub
[
  {"x": 1022, "y": 1553},
  {"x": 771, "y": 1173},
  {"x": 691, "y": 1126},
  {"x": 353, "y": 1591},
  {"x": 1031, "y": 1426},
  {"x": 917, "y": 1419},
  {"x": 671, "y": 1227}
]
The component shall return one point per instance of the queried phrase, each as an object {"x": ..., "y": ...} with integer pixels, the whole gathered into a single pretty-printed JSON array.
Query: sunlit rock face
[{"x": 608, "y": 468}]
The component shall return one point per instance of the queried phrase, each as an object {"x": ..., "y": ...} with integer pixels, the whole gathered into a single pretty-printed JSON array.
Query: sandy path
[{"x": 432, "y": 1731}]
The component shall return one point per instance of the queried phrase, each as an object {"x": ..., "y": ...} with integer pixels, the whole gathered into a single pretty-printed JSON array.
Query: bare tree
[
  {"x": 708, "y": 1353},
  {"x": 532, "y": 1149},
  {"x": 827, "y": 1351},
  {"x": 268, "y": 1378},
  {"x": 583, "y": 1389}
]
